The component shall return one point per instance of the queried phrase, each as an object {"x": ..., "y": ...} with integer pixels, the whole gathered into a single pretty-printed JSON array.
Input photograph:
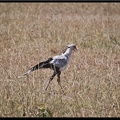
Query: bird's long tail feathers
[
  {"x": 25, "y": 74},
  {"x": 44, "y": 64},
  {"x": 38, "y": 66}
]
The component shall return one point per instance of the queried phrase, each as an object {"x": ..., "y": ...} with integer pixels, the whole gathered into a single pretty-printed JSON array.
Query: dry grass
[{"x": 30, "y": 33}]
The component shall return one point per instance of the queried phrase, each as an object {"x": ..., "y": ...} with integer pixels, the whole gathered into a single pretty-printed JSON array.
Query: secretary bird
[{"x": 56, "y": 63}]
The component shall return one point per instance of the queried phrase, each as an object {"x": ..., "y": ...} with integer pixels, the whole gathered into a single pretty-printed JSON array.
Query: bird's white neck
[{"x": 68, "y": 52}]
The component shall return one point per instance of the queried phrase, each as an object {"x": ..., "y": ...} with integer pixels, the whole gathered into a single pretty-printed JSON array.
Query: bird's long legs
[
  {"x": 58, "y": 78},
  {"x": 51, "y": 78},
  {"x": 58, "y": 73}
]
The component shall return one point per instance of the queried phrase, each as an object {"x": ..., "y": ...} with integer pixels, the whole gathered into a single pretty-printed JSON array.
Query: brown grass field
[{"x": 32, "y": 32}]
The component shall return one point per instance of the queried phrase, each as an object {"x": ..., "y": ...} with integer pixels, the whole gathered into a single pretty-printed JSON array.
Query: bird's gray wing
[{"x": 59, "y": 61}]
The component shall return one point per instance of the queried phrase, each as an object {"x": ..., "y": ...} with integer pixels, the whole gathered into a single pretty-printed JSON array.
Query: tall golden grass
[{"x": 32, "y": 32}]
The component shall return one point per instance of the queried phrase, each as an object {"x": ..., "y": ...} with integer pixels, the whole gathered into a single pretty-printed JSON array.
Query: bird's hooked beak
[{"x": 74, "y": 48}]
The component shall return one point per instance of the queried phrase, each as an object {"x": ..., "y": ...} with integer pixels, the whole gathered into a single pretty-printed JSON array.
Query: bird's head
[{"x": 71, "y": 46}]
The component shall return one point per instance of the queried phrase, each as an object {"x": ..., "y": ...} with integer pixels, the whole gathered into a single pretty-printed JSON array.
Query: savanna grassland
[{"x": 32, "y": 32}]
